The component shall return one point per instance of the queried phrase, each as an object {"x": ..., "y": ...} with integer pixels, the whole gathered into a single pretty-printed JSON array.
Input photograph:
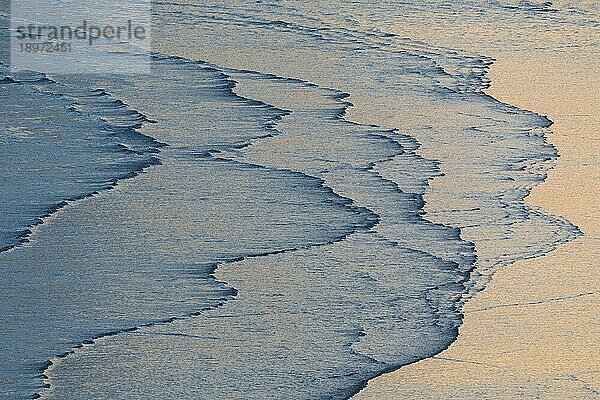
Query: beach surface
[
  {"x": 302, "y": 197},
  {"x": 532, "y": 332}
]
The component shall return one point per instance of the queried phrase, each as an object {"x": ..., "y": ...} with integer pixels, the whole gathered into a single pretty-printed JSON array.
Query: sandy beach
[
  {"x": 292, "y": 199},
  {"x": 532, "y": 333}
]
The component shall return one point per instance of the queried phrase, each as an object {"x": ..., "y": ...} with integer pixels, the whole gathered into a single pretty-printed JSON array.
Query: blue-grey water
[{"x": 291, "y": 203}]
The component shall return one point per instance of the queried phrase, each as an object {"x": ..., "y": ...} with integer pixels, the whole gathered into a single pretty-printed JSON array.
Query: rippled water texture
[{"x": 292, "y": 202}]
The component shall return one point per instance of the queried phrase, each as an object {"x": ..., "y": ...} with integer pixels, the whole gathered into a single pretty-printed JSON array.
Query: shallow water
[{"x": 294, "y": 222}]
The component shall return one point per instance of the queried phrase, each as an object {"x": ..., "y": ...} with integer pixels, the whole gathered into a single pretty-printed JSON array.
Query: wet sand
[{"x": 533, "y": 333}]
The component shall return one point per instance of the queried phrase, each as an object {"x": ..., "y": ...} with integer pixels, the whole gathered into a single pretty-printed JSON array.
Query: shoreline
[{"x": 529, "y": 333}]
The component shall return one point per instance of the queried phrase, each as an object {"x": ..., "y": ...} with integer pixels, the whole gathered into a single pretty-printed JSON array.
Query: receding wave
[{"x": 310, "y": 222}]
